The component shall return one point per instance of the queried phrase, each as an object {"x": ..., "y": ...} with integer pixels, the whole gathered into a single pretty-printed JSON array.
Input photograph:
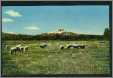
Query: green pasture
[{"x": 94, "y": 59}]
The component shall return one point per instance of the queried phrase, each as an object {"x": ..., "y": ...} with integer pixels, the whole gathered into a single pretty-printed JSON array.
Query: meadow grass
[{"x": 94, "y": 59}]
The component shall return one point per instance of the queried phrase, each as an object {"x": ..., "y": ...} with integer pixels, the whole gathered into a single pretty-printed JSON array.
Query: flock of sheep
[
  {"x": 18, "y": 48},
  {"x": 68, "y": 46},
  {"x": 21, "y": 49}
]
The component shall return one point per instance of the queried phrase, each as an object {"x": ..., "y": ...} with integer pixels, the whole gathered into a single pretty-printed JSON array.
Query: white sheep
[
  {"x": 61, "y": 47},
  {"x": 72, "y": 45},
  {"x": 19, "y": 45},
  {"x": 13, "y": 50},
  {"x": 43, "y": 45},
  {"x": 18, "y": 48},
  {"x": 76, "y": 46},
  {"x": 25, "y": 48}
]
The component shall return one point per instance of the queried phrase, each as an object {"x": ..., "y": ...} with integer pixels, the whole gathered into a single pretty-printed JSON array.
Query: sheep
[
  {"x": 61, "y": 47},
  {"x": 13, "y": 50},
  {"x": 21, "y": 49},
  {"x": 16, "y": 48},
  {"x": 43, "y": 45},
  {"x": 73, "y": 45},
  {"x": 76, "y": 46},
  {"x": 25, "y": 48},
  {"x": 19, "y": 45}
]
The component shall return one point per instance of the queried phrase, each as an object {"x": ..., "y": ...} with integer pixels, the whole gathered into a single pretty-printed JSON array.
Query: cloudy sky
[{"x": 38, "y": 19}]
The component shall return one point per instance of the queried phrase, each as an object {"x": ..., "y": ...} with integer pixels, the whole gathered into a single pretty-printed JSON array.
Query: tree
[{"x": 106, "y": 33}]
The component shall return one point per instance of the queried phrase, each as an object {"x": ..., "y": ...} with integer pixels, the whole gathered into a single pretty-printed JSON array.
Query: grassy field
[{"x": 94, "y": 59}]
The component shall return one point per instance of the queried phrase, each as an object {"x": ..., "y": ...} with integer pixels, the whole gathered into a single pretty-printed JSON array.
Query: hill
[{"x": 51, "y": 36}]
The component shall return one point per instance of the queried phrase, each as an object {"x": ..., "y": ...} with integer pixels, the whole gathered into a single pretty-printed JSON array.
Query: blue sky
[{"x": 39, "y": 19}]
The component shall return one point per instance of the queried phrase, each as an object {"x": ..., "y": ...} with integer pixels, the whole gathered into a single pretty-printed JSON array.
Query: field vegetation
[{"x": 94, "y": 59}]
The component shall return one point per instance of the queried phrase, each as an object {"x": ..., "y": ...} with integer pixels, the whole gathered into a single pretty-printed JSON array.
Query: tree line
[{"x": 63, "y": 36}]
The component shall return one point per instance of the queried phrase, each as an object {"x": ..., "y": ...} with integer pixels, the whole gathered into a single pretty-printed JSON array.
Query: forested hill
[
  {"x": 52, "y": 36},
  {"x": 9, "y": 36}
]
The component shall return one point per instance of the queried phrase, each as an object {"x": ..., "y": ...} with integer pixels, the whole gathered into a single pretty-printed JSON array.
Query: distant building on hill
[{"x": 61, "y": 30}]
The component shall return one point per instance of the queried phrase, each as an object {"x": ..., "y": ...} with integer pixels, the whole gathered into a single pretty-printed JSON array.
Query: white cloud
[
  {"x": 13, "y": 13},
  {"x": 7, "y": 20},
  {"x": 32, "y": 28},
  {"x": 11, "y": 32}
]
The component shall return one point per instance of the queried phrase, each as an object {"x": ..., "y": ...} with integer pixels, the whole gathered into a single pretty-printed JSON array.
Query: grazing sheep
[
  {"x": 73, "y": 45},
  {"x": 76, "y": 46},
  {"x": 19, "y": 45},
  {"x": 61, "y": 47},
  {"x": 13, "y": 50},
  {"x": 43, "y": 45},
  {"x": 21, "y": 49},
  {"x": 25, "y": 48}
]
